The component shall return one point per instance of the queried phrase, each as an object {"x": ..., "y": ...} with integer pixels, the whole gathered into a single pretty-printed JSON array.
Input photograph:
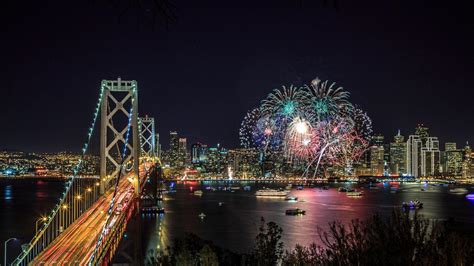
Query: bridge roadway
[{"x": 77, "y": 243}]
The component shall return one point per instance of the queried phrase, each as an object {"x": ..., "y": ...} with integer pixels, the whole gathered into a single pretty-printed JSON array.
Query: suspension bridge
[{"x": 88, "y": 222}]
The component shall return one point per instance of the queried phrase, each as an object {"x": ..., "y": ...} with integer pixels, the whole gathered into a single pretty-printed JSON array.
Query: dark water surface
[{"x": 235, "y": 224}]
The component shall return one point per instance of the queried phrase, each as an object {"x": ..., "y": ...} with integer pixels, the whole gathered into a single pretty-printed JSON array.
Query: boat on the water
[
  {"x": 289, "y": 186},
  {"x": 412, "y": 205},
  {"x": 296, "y": 211},
  {"x": 300, "y": 187},
  {"x": 202, "y": 215},
  {"x": 354, "y": 193},
  {"x": 221, "y": 203},
  {"x": 291, "y": 198},
  {"x": 198, "y": 193},
  {"x": 459, "y": 190},
  {"x": 247, "y": 188},
  {"x": 271, "y": 193},
  {"x": 342, "y": 189}
]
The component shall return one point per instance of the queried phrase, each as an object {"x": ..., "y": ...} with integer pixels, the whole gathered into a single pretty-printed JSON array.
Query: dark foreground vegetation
[{"x": 401, "y": 239}]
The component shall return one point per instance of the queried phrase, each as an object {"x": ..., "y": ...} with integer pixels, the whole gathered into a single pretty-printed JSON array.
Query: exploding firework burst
[
  {"x": 248, "y": 127},
  {"x": 315, "y": 124},
  {"x": 326, "y": 100},
  {"x": 285, "y": 102},
  {"x": 362, "y": 124}
]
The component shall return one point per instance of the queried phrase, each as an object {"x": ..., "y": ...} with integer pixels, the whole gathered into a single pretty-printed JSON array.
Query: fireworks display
[{"x": 315, "y": 125}]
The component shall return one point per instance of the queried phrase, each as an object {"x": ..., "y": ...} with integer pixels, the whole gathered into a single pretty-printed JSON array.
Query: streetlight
[
  {"x": 5, "y": 250},
  {"x": 42, "y": 219}
]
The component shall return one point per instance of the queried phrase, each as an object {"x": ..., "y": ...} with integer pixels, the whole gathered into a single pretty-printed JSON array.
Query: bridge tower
[
  {"x": 120, "y": 98},
  {"x": 147, "y": 137}
]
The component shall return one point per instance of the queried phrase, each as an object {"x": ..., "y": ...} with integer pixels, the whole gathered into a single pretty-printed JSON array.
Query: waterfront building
[
  {"x": 157, "y": 145},
  {"x": 198, "y": 153},
  {"x": 466, "y": 164},
  {"x": 430, "y": 157},
  {"x": 182, "y": 151},
  {"x": 244, "y": 162},
  {"x": 173, "y": 152},
  {"x": 414, "y": 145},
  {"x": 377, "y": 153},
  {"x": 398, "y": 150},
  {"x": 453, "y": 163}
]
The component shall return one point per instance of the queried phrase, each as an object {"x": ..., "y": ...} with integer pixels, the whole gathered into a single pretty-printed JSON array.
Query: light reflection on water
[{"x": 235, "y": 224}]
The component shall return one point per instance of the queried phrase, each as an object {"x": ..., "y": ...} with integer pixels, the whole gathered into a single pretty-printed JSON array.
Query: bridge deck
[{"x": 77, "y": 243}]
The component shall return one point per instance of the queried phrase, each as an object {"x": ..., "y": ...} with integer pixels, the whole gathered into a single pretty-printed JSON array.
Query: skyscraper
[
  {"x": 198, "y": 153},
  {"x": 453, "y": 159},
  {"x": 182, "y": 151},
  {"x": 422, "y": 132},
  {"x": 430, "y": 157},
  {"x": 173, "y": 152},
  {"x": 413, "y": 155},
  {"x": 398, "y": 155},
  {"x": 377, "y": 155}
]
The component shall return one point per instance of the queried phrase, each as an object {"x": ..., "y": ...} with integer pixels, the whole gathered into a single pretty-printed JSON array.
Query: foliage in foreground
[{"x": 400, "y": 239}]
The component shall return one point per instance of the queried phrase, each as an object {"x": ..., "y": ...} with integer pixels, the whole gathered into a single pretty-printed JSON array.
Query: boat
[
  {"x": 354, "y": 193},
  {"x": 221, "y": 203},
  {"x": 342, "y": 189},
  {"x": 459, "y": 190},
  {"x": 198, "y": 193},
  {"x": 291, "y": 198},
  {"x": 412, "y": 205},
  {"x": 296, "y": 211},
  {"x": 247, "y": 188},
  {"x": 202, "y": 215},
  {"x": 289, "y": 186},
  {"x": 271, "y": 193},
  {"x": 350, "y": 190}
]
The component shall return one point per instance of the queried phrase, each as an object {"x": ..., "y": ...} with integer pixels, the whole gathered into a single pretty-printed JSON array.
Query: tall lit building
[
  {"x": 377, "y": 155},
  {"x": 182, "y": 151},
  {"x": 173, "y": 152},
  {"x": 466, "y": 163},
  {"x": 453, "y": 160},
  {"x": 422, "y": 132},
  {"x": 198, "y": 153},
  {"x": 430, "y": 157},
  {"x": 413, "y": 153},
  {"x": 398, "y": 155}
]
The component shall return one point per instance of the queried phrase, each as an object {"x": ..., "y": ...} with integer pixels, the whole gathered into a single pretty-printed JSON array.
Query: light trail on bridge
[{"x": 76, "y": 244}]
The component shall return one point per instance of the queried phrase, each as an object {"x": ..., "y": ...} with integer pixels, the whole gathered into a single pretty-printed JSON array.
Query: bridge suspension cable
[{"x": 62, "y": 214}]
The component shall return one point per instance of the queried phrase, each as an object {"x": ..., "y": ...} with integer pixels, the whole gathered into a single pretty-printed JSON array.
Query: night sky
[{"x": 403, "y": 62}]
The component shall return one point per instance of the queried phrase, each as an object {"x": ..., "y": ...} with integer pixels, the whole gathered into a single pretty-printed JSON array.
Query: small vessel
[
  {"x": 198, "y": 193},
  {"x": 221, "y": 203},
  {"x": 412, "y": 205},
  {"x": 272, "y": 193},
  {"x": 247, "y": 188},
  {"x": 342, "y": 189},
  {"x": 351, "y": 190},
  {"x": 354, "y": 193},
  {"x": 202, "y": 215},
  {"x": 289, "y": 186},
  {"x": 459, "y": 190},
  {"x": 291, "y": 198},
  {"x": 296, "y": 211}
]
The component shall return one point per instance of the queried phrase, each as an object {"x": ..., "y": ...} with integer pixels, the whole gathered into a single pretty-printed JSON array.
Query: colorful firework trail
[{"x": 315, "y": 124}]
